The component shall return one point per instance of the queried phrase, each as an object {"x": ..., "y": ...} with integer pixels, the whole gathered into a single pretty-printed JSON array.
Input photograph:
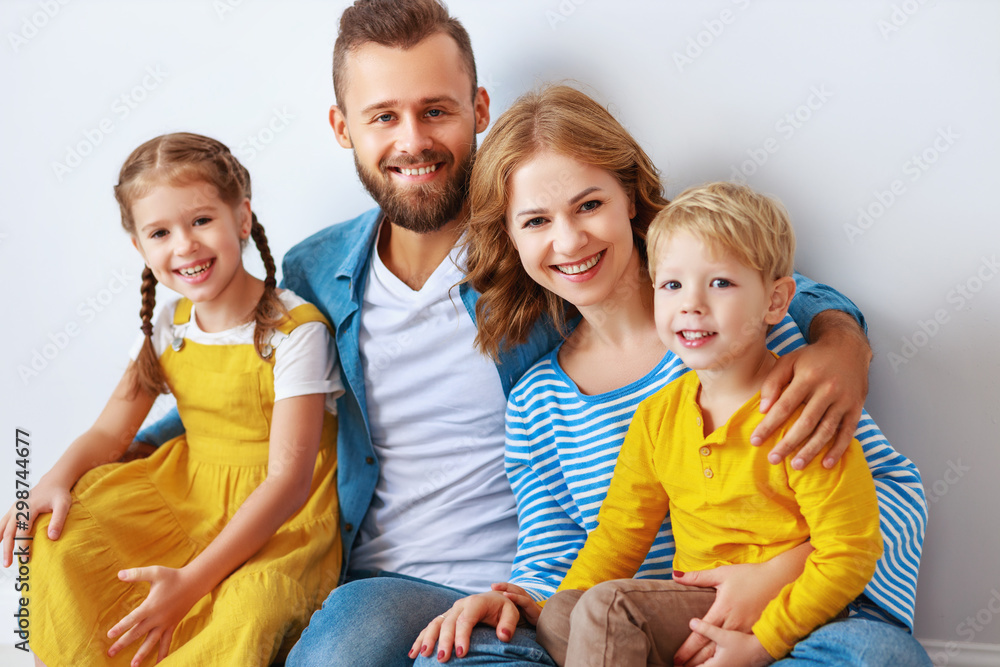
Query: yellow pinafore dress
[{"x": 164, "y": 510}]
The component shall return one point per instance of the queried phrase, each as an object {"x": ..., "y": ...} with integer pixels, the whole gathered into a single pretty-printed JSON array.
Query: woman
[{"x": 561, "y": 198}]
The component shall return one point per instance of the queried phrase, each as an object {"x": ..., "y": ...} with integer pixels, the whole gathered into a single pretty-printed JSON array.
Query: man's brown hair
[{"x": 400, "y": 24}]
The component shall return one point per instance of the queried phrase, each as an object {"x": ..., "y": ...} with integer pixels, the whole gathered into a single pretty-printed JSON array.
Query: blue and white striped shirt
[{"x": 562, "y": 446}]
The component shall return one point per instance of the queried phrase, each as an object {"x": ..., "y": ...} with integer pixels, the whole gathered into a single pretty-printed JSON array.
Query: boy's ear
[{"x": 782, "y": 291}]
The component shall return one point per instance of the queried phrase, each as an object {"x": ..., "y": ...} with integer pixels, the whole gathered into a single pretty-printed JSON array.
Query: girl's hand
[
  {"x": 47, "y": 496},
  {"x": 454, "y": 627},
  {"x": 732, "y": 648},
  {"x": 742, "y": 593},
  {"x": 829, "y": 376},
  {"x": 170, "y": 597}
]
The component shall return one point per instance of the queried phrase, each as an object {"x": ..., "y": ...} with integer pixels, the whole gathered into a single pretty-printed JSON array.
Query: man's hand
[{"x": 829, "y": 376}]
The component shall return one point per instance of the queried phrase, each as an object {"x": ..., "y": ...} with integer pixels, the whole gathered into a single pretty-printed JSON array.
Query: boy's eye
[
  {"x": 721, "y": 282},
  {"x": 672, "y": 285}
]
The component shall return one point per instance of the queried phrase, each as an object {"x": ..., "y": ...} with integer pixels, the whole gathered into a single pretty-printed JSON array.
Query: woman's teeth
[{"x": 573, "y": 269}]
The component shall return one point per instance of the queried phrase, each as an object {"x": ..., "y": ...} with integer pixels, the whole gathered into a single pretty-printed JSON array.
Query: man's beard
[{"x": 420, "y": 208}]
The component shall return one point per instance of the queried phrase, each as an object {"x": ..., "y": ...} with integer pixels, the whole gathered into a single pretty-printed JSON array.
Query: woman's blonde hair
[
  {"x": 566, "y": 121},
  {"x": 731, "y": 218},
  {"x": 184, "y": 158}
]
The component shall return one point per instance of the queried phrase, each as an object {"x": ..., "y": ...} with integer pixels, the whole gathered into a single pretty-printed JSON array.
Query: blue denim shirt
[{"x": 330, "y": 269}]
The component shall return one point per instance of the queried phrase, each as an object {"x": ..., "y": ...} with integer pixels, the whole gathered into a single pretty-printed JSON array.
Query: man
[{"x": 427, "y": 514}]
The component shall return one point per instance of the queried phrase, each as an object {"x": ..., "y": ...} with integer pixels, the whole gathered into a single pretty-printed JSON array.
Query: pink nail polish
[{"x": 440, "y": 655}]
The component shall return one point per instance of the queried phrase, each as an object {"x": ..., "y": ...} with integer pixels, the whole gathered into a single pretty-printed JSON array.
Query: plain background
[{"x": 874, "y": 122}]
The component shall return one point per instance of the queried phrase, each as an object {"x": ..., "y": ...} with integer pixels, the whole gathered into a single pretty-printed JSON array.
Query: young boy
[{"x": 720, "y": 256}]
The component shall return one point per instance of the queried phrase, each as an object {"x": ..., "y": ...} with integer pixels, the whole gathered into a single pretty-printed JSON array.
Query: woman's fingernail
[
  {"x": 678, "y": 573},
  {"x": 440, "y": 655}
]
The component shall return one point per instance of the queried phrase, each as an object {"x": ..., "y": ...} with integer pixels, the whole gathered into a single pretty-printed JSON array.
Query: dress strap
[
  {"x": 182, "y": 313},
  {"x": 300, "y": 315}
]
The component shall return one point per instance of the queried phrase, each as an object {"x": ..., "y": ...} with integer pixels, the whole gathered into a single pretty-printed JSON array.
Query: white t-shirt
[
  {"x": 443, "y": 509},
  {"x": 305, "y": 361}
]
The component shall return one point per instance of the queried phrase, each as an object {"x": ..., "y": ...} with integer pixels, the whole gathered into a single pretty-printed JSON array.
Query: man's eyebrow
[{"x": 386, "y": 104}]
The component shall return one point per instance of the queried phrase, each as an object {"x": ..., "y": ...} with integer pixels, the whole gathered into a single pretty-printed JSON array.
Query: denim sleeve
[
  {"x": 167, "y": 428},
  {"x": 812, "y": 298}
]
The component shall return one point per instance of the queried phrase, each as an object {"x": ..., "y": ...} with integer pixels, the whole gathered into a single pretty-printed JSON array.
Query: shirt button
[
  {"x": 705, "y": 451},
  {"x": 708, "y": 473},
  {"x": 369, "y": 460},
  {"x": 698, "y": 421}
]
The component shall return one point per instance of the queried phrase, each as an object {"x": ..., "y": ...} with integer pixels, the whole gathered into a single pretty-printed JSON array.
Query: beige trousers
[{"x": 621, "y": 623}]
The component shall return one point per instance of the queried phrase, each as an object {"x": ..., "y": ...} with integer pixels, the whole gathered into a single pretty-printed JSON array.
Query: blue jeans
[
  {"x": 373, "y": 621},
  {"x": 858, "y": 642}
]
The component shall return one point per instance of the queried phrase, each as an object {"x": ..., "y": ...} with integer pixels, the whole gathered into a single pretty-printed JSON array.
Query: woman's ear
[{"x": 782, "y": 291}]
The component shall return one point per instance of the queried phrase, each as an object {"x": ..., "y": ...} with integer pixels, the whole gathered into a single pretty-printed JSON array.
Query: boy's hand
[
  {"x": 46, "y": 497},
  {"x": 829, "y": 376},
  {"x": 453, "y": 629},
  {"x": 732, "y": 649}
]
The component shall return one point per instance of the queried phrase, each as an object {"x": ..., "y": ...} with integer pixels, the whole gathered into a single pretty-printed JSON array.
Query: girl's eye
[
  {"x": 158, "y": 234},
  {"x": 721, "y": 282},
  {"x": 202, "y": 221},
  {"x": 590, "y": 205}
]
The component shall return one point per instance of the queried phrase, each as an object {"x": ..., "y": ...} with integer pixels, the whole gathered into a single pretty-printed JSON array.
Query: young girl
[
  {"x": 217, "y": 548},
  {"x": 561, "y": 197}
]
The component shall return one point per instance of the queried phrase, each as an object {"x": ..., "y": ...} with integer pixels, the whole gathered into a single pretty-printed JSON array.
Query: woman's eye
[
  {"x": 721, "y": 282},
  {"x": 590, "y": 205},
  {"x": 534, "y": 222}
]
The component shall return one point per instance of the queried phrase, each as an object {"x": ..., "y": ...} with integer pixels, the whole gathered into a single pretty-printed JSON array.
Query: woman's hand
[
  {"x": 453, "y": 629},
  {"x": 742, "y": 593},
  {"x": 829, "y": 376},
  {"x": 732, "y": 648},
  {"x": 171, "y": 596},
  {"x": 530, "y": 611},
  {"x": 47, "y": 496}
]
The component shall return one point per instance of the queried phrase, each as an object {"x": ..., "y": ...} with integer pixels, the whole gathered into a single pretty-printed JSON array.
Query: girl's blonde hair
[
  {"x": 179, "y": 159},
  {"x": 732, "y": 218},
  {"x": 566, "y": 121}
]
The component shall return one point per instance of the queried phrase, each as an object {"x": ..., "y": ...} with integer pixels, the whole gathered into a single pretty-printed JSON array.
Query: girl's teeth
[
  {"x": 418, "y": 172},
  {"x": 194, "y": 270},
  {"x": 573, "y": 269}
]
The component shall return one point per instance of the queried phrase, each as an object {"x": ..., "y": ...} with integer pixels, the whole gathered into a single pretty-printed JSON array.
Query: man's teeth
[
  {"x": 417, "y": 172},
  {"x": 695, "y": 335},
  {"x": 573, "y": 269},
  {"x": 195, "y": 270}
]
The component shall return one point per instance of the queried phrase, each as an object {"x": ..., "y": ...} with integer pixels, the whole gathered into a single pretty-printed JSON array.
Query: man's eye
[
  {"x": 434, "y": 113},
  {"x": 384, "y": 118}
]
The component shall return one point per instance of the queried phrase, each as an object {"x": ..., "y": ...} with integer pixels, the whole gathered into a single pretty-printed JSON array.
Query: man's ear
[
  {"x": 481, "y": 108},
  {"x": 338, "y": 121},
  {"x": 782, "y": 291}
]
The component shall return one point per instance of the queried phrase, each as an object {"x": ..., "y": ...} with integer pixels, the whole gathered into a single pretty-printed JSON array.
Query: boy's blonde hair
[{"x": 731, "y": 218}]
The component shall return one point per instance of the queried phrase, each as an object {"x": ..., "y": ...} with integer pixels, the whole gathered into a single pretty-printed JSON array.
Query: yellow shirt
[{"x": 729, "y": 505}]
